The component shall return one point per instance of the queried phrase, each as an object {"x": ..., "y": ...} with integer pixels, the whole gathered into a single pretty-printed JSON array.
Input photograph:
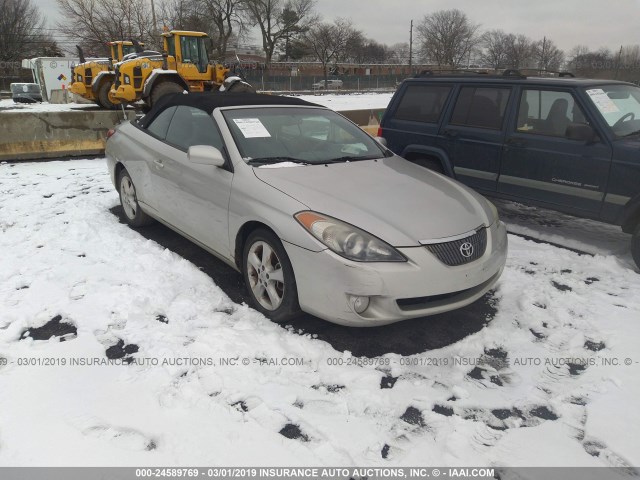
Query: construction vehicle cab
[
  {"x": 91, "y": 79},
  {"x": 183, "y": 65}
]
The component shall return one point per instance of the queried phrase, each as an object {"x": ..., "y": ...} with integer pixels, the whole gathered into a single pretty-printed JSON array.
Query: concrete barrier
[
  {"x": 35, "y": 135},
  {"x": 32, "y": 135}
]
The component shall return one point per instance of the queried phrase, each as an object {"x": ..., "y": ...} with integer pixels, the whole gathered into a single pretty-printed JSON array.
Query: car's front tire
[
  {"x": 635, "y": 246},
  {"x": 133, "y": 214},
  {"x": 269, "y": 276}
]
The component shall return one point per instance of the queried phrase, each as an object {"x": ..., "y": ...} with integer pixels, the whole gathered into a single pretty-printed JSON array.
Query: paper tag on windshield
[
  {"x": 251, "y": 127},
  {"x": 602, "y": 101}
]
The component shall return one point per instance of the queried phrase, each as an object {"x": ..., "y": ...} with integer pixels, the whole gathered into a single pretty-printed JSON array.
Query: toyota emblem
[{"x": 466, "y": 249}]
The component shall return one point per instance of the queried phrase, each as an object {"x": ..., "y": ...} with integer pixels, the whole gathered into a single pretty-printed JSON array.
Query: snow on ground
[
  {"x": 8, "y": 106},
  {"x": 354, "y": 101},
  {"x": 532, "y": 388}
]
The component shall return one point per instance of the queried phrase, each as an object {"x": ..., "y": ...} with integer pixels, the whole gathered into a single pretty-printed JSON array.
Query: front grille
[
  {"x": 460, "y": 252},
  {"x": 137, "y": 77},
  {"x": 88, "y": 76},
  {"x": 116, "y": 82}
]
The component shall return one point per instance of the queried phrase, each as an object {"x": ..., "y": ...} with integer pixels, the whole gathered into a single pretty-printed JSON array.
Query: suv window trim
[
  {"x": 507, "y": 109},
  {"x": 576, "y": 93},
  {"x": 445, "y": 106}
]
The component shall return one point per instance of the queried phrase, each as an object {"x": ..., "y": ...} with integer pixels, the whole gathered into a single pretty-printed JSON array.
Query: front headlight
[
  {"x": 346, "y": 240},
  {"x": 127, "y": 79}
]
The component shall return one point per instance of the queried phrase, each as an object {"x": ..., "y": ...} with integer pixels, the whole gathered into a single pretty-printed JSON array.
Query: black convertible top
[{"x": 209, "y": 101}]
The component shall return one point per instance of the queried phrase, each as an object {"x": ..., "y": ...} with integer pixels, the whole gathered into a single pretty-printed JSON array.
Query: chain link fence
[{"x": 352, "y": 83}]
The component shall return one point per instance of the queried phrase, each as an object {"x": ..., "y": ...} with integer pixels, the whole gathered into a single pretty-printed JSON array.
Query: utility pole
[
  {"x": 411, "y": 47},
  {"x": 618, "y": 63},
  {"x": 153, "y": 19}
]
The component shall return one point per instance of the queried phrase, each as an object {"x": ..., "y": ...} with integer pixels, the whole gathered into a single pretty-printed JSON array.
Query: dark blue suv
[{"x": 563, "y": 143}]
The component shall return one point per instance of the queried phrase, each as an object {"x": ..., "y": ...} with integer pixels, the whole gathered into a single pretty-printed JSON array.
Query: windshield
[
  {"x": 127, "y": 49},
  {"x": 619, "y": 105},
  {"x": 300, "y": 135}
]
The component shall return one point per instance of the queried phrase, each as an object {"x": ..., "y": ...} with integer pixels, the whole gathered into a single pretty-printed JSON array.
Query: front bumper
[
  {"x": 79, "y": 88},
  {"x": 124, "y": 93},
  {"x": 397, "y": 291}
]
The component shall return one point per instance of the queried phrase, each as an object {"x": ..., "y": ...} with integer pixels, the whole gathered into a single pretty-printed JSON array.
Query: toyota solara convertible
[{"x": 317, "y": 215}]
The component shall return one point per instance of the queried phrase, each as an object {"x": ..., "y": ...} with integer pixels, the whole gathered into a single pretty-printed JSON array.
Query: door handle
[{"x": 158, "y": 163}]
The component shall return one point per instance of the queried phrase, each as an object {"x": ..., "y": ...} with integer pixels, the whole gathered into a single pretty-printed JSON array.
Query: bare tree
[
  {"x": 519, "y": 51},
  {"x": 546, "y": 55},
  {"x": 21, "y": 25},
  {"x": 328, "y": 41},
  {"x": 495, "y": 45},
  {"x": 226, "y": 16},
  {"x": 279, "y": 21},
  {"x": 93, "y": 23},
  {"x": 398, "y": 53},
  {"x": 447, "y": 37}
]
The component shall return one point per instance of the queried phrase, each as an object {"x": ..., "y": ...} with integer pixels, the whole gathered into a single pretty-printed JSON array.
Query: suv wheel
[
  {"x": 430, "y": 163},
  {"x": 635, "y": 246}
]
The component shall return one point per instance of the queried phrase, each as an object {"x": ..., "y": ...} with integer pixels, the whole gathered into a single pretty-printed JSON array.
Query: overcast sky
[{"x": 567, "y": 22}]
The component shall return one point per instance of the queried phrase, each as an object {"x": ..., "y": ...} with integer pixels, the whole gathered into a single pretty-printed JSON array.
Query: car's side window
[
  {"x": 192, "y": 126},
  {"x": 423, "y": 103},
  {"x": 160, "y": 124},
  {"x": 481, "y": 107},
  {"x": 548, "y": 112}
]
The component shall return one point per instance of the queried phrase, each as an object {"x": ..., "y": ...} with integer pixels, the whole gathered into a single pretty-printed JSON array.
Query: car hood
[{"x": 391, "y": 198}]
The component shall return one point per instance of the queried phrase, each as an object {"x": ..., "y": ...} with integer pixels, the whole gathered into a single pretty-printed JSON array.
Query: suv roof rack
[
  {"x": 509, "y": 72},
  {"x": 431, "y": 73},
  {"x": 514, "y": 72}
]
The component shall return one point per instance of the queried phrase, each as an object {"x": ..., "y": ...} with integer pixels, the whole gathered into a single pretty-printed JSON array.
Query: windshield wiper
[
  {"x": 273, "y": 160},
  {"x": 351, "y": 158}
]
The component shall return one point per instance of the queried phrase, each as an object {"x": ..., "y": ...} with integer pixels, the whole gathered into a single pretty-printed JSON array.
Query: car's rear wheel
[
  {"x": 269, "y": 276},
  {"x": 635, "y": 246},
  {"x": 133, "y": 214}
]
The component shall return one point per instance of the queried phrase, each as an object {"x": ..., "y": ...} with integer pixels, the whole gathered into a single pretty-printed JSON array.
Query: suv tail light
[
  {"x": 110, "y": 132},
  {"x": 379, "y": 132}
]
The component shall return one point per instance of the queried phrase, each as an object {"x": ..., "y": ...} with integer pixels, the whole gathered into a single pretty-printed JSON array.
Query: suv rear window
[
  {"x": 481, "y": 107},
  {"x": 423, "y": 103}
]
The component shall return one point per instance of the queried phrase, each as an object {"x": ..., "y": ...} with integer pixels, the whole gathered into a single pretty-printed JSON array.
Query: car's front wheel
[
  {"x": 635, "y": 246},
  {"x": 269, "y": 276},
  {"x": 133, "y": 214}
]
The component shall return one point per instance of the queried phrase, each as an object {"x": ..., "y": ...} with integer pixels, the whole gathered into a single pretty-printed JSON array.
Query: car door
[
  {"x": 475, "y": 132},
  {"x": 194, "y": 198},
  {"x": 541, "y": 162},
  {"x": 144, "y": 152}
]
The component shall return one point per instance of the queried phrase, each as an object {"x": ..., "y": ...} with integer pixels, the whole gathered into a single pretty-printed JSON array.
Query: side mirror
[
  {"x": 205, "y": 155},
  {"x": 581, "y": 132},
  {"x": 382, "y": 141}
]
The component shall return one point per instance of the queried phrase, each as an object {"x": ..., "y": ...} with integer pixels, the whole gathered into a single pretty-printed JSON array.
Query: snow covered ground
[
  {"x": 552, "y": 379},
  {"x": 8, "y": 106}
]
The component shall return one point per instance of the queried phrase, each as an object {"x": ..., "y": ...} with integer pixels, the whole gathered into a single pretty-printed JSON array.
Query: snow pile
[
  {"x": 199, "y": 380},
  {"x": 359, "y": 101},
  {"x": 8, "y": 106}
]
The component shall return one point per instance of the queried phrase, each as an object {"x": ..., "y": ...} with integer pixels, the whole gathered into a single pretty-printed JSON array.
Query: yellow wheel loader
[
  {"x": 183, "y": 65},
  {"x": 92, "y": 79}
]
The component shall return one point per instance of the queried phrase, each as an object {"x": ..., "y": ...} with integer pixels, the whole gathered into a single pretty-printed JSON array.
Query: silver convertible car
[{"x": 316, "y": 214}]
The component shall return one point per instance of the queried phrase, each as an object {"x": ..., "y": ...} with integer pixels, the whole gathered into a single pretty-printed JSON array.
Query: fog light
[{"x": 359, "y": 304}]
